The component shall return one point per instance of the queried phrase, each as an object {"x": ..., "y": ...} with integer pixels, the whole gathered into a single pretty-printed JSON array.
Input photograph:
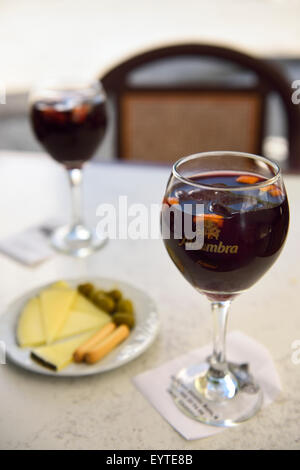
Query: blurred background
[{"x": 70, "y": 37}]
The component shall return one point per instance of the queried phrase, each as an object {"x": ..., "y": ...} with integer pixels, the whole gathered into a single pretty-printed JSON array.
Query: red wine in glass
[
  {"x": 70, "y": 129},
  {"x": 243, "y": 233}
]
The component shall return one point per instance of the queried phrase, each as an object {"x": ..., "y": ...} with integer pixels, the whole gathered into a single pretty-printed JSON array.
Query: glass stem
[
  {"x": 218, "y": 383},
  {"x": 220, "y": 316},
  {"x": 75, "y": 178}
]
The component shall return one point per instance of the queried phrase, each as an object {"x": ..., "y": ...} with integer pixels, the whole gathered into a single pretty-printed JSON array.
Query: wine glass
[
  {"x": 69, "y": 119},
  {"x": 224, "y": 221}
]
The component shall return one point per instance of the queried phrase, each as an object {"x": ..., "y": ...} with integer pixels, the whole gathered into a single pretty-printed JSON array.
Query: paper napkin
[
  {"x": 154, "y": 384},
  {"x": 31, "y": 246}
]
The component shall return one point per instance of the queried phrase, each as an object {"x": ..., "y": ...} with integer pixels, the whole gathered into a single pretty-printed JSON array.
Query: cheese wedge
[
  {"x": 30, "y": 330},
  {"x": 81, "y": 304},
  {"x": 79, "y": 322},
  {"x": 55, "y": 308},
  {"x": 59, "y": 355},
  {"x": 60, "y": 285}
]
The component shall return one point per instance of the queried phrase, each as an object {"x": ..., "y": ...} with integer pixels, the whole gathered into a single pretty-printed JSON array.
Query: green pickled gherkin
[
  {"x": 115, "y": 294},
  {"x": 97, "y": 293},
  {"x": 86, "y": 289},
  {"x": 111, "y": 301},
  {"x": 122, "y": 318},
  {"x": 125, "y": 305},
  {"x": 105, "y": 302}
]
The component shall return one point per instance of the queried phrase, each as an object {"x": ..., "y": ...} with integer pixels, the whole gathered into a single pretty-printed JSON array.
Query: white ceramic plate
[{"x": 139, "y": 340}]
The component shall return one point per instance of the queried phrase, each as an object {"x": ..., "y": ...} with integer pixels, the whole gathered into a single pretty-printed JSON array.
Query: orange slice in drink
[
  {"x": 215, "y": 218},
  {"x": 247, "y": 179}
]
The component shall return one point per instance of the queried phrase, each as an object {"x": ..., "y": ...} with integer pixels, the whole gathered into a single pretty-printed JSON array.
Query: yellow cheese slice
[
  {"x": 81, "y": 304},
  {"x": 30, "y": 330},
  {"x": 79, "y": 322},
  {"x": 55, "y": 308},
  {"x": 60, "y": 285},
  {"x": 59, "y": 355}
]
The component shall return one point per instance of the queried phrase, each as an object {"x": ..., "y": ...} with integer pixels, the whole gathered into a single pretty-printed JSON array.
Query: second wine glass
[{"x": 69, "y": 119}]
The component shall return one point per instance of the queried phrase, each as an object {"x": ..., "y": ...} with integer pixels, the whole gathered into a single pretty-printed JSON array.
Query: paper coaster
[{"x": 154, "y": 384}]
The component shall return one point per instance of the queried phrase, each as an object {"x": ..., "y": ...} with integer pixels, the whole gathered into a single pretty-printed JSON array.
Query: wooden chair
[{"x": 161, "y": 122}]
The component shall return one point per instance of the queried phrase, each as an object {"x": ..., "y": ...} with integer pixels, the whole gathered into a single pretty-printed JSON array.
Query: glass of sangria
[
  {"x": 224, "y": 221},
  {"x": 69, "y": 119}
]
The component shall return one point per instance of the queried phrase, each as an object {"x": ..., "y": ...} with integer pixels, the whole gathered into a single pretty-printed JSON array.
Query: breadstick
[
  {"x": 107, "y": 345},
  {"x": 93, "y": 341}
]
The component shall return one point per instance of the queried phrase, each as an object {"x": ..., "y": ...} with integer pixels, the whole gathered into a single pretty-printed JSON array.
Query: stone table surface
[{"x": 106, "y": 411}]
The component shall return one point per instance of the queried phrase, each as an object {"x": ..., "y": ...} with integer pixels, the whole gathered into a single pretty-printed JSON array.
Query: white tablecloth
[{"x": 106, "y": 411}]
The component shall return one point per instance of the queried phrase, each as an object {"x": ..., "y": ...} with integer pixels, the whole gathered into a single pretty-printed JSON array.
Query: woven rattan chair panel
[{"x": 163, "y": 126}]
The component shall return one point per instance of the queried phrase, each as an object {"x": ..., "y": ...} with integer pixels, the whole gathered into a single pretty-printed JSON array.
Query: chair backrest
[{"x": 162, "y": 121}]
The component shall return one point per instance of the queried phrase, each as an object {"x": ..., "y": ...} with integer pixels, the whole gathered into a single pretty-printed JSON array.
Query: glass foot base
[
  {"x": 196, "y": 394},
  {"x": 76, "y": 241}
]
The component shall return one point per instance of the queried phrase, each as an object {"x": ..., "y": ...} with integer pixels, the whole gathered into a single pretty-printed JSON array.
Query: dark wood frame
[{"x": 270, "y": 79}]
